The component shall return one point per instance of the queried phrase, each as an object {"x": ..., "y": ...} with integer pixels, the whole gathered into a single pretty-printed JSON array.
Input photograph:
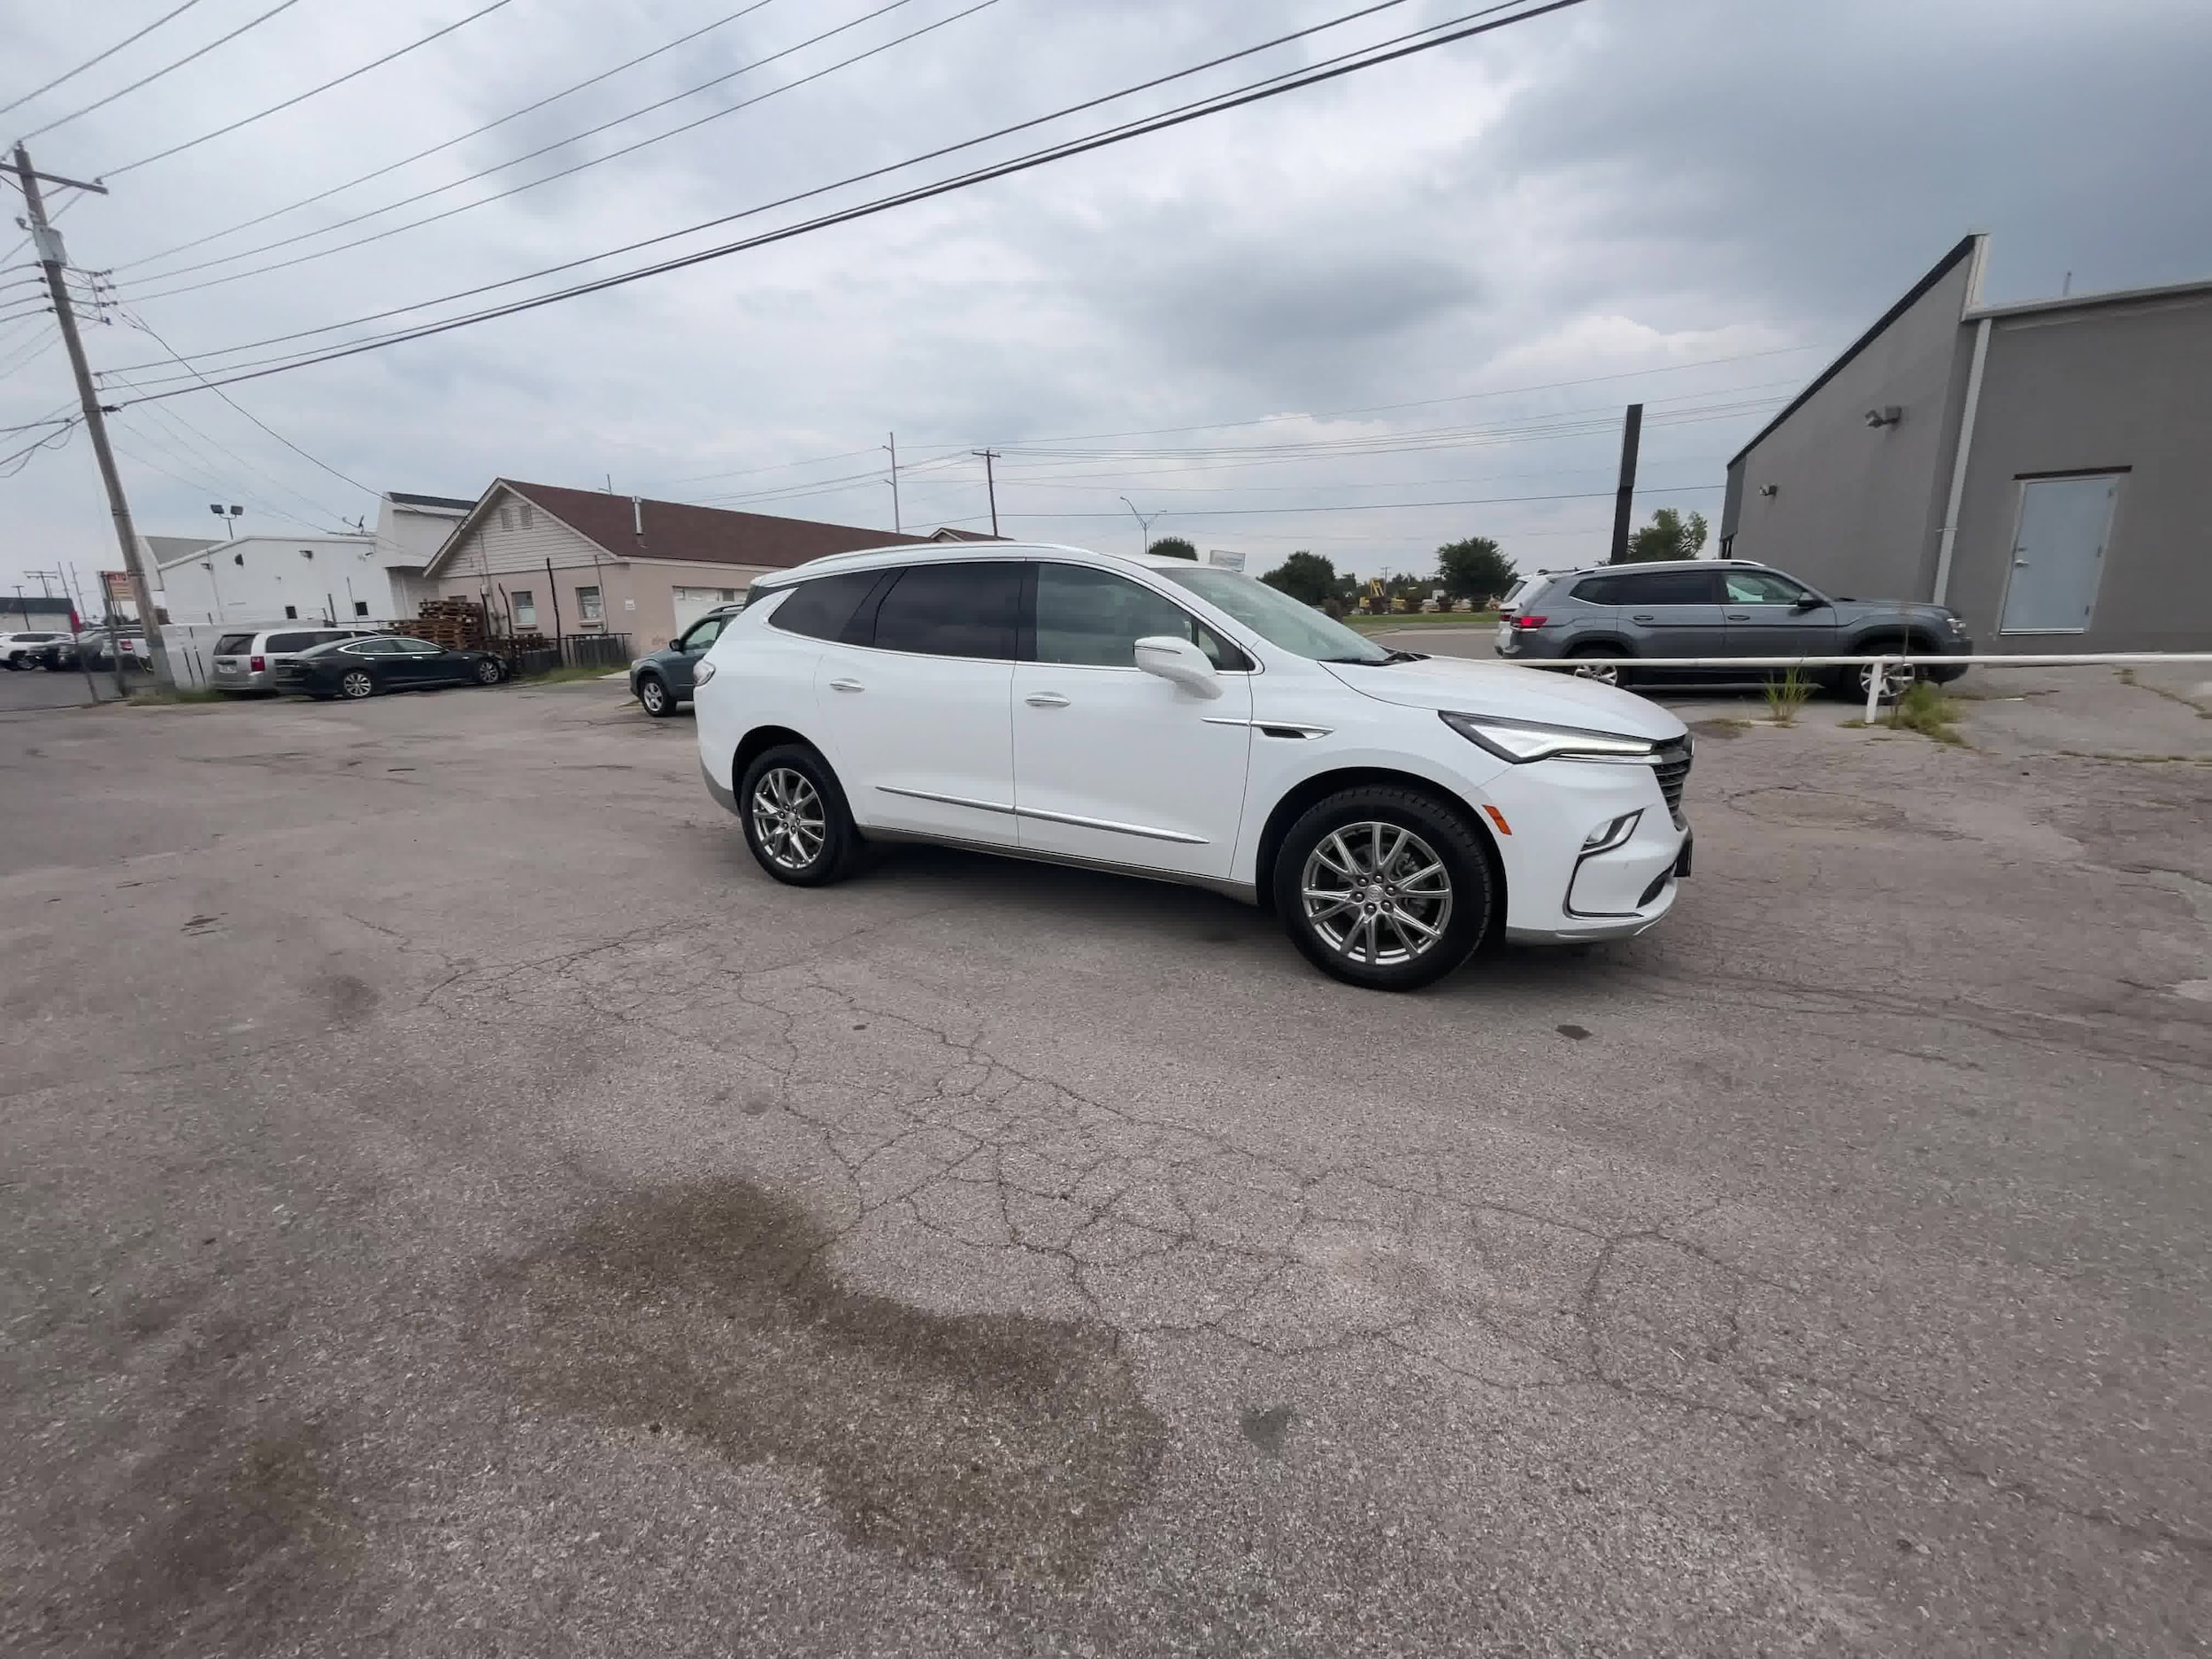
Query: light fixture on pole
[
  {"x": 1144, "y": 525},
  {"x": 229, "y": 519}
]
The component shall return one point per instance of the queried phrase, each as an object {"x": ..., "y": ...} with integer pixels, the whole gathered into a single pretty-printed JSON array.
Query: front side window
[
  {"x": 1761, "y": 587},
  {"x": 525, "y": 605},
  {"x": 820, "y": 609},
  {"x": 1276, "y": 617},
  {"x": 702, "y": 634},
  {"x": 952, "y": 611},
  {"x": 1093, "y": 618},
  {"x": 589, "y": 605},
  {"x": 1667, "y": 588}
]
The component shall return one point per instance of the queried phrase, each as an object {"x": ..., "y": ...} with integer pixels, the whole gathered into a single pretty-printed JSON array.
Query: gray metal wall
[
  {"x": 2119, "y": 385},
  {"x": 1857, "y": 510}
]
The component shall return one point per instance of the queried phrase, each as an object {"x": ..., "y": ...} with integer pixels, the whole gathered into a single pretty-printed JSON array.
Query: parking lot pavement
[
  {"x": 455, "y": 1204},
  {"x": 30, "y": 689}
]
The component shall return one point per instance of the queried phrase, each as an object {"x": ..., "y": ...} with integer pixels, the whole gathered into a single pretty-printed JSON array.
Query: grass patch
[
  {"x": 1417, "y": 619},
  {"x": 1925, "y": 709},
  {"x": 1787, "y": 696}
]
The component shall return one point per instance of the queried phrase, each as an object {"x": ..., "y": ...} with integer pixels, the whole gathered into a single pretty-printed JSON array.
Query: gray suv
[
  {"x": 1720, "y": 607},
  {"x": 662, "y": 680}
]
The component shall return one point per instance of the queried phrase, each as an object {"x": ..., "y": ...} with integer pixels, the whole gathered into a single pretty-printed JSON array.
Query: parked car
[
  {"x": 1723, "y": 608},
  {"x": 248, "y": 662},
  {"x": 1187, "y": 723},
  {"x": 90, "y": 647},
  {"x": 662, "y": 680},
  {"x": 384, "y": 662},
  {"x": 21, "y": 651}
]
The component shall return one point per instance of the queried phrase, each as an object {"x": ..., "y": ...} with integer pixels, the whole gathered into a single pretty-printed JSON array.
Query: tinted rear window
[
  {"x": 1666, "y": 587},
  {"x": 821, "y": 608},
  {"x": 952, "y": 611},
  {"x": 1598, "y": 590},
  {"x": 233, "y": 644},
  {"x": 296, "y": 642}
]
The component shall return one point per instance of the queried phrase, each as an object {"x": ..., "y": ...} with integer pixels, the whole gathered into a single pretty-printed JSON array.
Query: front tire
[
  {"x": 796, "y": 823},
  {"x": 486, "y": 671},
  {"x": 1383, "y": 887},
  {"x": 655, "y": 698}
]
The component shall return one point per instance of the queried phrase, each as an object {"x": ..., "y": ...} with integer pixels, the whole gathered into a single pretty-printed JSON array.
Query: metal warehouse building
[{"x": 2039, "y": 467}]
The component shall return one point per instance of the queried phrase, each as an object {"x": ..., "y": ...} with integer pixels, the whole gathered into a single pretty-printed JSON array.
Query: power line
[
  {"x": 1461, "y": 28},
  {"x": 351, "y": 74},
  {"x": 1075, "y": 109},
  {"x": 474, "y": 132},
  {"x": 137, "y": 322},
  {"x": 1381, "y": 506},
  {"x": 99, "y": 58},
  {"x": 562, "y": 144},
  {"x": 143, "y": 81}
]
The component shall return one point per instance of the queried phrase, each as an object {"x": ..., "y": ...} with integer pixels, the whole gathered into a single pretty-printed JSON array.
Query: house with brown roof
[{"x": 582, "y": 561}]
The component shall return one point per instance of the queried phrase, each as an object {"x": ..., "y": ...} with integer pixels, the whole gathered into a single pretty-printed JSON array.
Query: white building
[{"x": 372, "y": 576}]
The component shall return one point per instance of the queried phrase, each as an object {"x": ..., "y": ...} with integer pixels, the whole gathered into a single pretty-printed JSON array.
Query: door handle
[
  {"x": 1740, "y": 615},
  {"x": 2019, "y": 565},
  {"x": 1641, "y": 616},
  {"x": 1046, "y": 700},
  {"x": 847, "y": 685}
]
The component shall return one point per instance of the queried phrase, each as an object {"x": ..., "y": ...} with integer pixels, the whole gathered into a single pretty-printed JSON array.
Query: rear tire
[
  {"x": 798, "y": 826},
  {"x": 1383, "y": 887},
  {"x": 357, "y": 683},
  {"x": 655, "y": 698}
]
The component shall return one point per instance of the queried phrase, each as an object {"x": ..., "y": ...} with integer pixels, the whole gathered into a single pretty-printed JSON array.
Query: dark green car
[{"x": 663, "y": 681}]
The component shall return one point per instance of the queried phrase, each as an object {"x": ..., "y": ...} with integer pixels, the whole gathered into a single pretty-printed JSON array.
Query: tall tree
[
  {"x": 1474, "y": 569},
  {"x": 1306, "y": 577},
  {"x": 1668, "y": 536},
  {"x": 1173, "y": 547}
]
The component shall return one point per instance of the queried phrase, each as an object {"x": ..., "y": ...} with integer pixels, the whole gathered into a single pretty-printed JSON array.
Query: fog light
[{"x": 1606, "y": 837}]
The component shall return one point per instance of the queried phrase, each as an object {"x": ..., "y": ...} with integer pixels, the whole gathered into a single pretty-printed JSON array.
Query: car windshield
[{"x": 1276, "y": 617}]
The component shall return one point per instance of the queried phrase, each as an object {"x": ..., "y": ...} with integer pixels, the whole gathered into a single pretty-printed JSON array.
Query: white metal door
[
  {"x": 2058, "y": 553},
  {"x": 1118, "y": 765}
]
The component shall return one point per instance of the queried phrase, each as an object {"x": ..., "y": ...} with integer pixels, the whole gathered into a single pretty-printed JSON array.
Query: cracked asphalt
[{"x": 453, "y": 1204}]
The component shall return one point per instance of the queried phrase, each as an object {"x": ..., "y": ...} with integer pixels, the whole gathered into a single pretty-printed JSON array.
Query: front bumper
[{"x": 1559, "y": 890}]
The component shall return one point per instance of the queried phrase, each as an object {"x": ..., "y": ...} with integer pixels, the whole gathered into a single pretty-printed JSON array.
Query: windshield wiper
[{"x": 1407, "y": 657}]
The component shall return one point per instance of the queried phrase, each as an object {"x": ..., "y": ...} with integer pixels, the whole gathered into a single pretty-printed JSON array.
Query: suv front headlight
[{"x": 1522, "y": 741}]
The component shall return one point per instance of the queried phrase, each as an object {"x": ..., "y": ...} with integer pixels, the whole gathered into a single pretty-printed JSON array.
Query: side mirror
[
  {"x": 1179, "y": 662},
  {"x": 1808, "y": 602},
  {"x": 675, "y": 645}
]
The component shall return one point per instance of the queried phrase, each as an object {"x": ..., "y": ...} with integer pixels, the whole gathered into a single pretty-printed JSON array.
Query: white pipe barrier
[{"x": 1574, "y": 664}]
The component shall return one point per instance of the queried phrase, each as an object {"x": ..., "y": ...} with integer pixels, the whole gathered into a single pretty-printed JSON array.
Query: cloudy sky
[{"x": 1366, "y": 318}]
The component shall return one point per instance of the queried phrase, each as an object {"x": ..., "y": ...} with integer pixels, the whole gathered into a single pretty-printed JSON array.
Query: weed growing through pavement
[
  {"x": 1925, "y": 709},
  {"x": 1787, "y": 696}
]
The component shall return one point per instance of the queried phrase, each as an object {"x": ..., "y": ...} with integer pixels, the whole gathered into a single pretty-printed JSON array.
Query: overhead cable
[
  {"x": 167, "y": 69},
  {"x": 99, "y": 57}
]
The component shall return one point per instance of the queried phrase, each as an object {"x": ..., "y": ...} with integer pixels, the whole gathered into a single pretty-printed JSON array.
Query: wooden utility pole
[
  {"x": 1624, "y": 502},
  {"x": 898, "y": 523},
  {"x": 52, "y": 259},
  {"x": 989, "y": 484}
]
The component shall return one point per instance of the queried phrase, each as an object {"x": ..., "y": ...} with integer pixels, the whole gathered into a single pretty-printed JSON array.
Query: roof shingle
[{"x": 706, "y": 535}]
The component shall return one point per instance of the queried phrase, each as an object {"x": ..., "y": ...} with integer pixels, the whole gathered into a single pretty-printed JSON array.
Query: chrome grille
[{"x": 1672, "y": 767}]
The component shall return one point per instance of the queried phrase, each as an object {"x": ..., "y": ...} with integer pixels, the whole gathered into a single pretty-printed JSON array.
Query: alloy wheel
[
  {"x": 1377, "y": 893},
  {"x": 1604, "y": 674},
  {"x": 653, "y": 695},
  {"x": 356, "y": 684},
  {"x": 1897, "y": 680},
  {"x": 487, "y": 672},
  {"x": 790, "y": 825}
]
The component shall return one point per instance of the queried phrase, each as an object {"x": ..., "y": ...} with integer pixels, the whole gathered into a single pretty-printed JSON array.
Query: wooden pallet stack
[{"x": 456, "y": 625}]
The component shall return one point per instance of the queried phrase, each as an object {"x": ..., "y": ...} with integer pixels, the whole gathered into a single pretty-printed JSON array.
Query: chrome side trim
[
  {"x": 1243, "y": 892},
  {"x": 1271, "y": 728},
  {"x": 1144, "y": 830}
]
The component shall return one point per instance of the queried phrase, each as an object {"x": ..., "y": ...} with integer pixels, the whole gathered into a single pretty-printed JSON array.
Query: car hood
[
  {"x": 1519, "y": 694},
  {"x": 1850, "y": 610}
]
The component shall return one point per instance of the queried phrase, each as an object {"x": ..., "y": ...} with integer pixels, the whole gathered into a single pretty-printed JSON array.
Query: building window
[
  {"x": 360, "y": 607},
  {"x": 307, "y": 552},
  {"x": 506, "y": 521},
  {"x": 529, "y": 515},
  {"x": 291, "y": 613},
  {"x": 588, "y": 606},
  {"x": 526, "y": 608}
]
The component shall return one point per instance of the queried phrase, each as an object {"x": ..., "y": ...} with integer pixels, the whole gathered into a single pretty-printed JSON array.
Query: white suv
[{"x": 1189, "y": 724}]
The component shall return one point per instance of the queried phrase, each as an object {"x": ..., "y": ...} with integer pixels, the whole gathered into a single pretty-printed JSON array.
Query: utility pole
[
  {"x": 989, "y": 484},
  {"x": 1624, "y": 502},
  {"x": 898, "y": 523},
  {"x": 52, "y": 259}
]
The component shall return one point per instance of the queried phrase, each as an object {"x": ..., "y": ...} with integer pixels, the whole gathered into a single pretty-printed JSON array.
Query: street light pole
[{"x": 1144, "y": 525}]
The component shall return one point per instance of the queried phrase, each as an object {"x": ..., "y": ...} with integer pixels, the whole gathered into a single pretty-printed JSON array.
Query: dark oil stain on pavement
[
  {"x": 351, "y": 1000},
  {"x": 1267, "y": 1427},
  {"x": 1006, "y": 1447},
  {"x": 241, "y": 1543}
]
